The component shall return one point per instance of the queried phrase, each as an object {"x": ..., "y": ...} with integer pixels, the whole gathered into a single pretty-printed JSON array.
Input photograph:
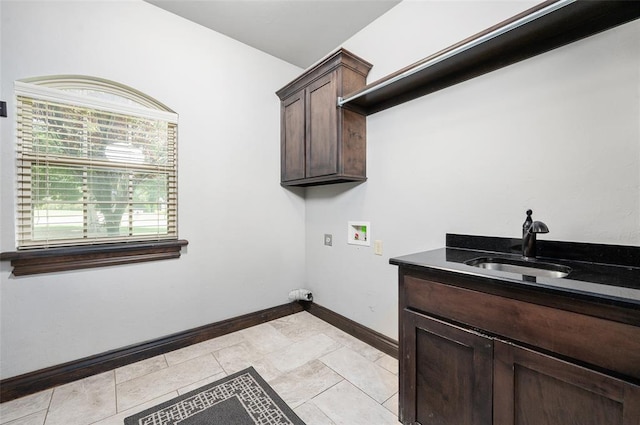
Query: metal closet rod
[{"x": 466, "y": 46}]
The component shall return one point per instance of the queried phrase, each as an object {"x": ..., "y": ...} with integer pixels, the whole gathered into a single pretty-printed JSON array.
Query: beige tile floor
[{"x": 324, "y": 374}]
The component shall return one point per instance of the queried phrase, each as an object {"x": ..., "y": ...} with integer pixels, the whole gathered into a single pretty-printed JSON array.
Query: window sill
[{"x": 74, "y": 258}]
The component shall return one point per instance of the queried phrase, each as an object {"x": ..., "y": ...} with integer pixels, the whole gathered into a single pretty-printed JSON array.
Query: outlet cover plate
[{"x": 377, "y": 247}]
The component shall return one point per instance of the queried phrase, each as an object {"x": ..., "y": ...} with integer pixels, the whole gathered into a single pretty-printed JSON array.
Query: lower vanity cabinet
[{"x": 454, "y": 371}]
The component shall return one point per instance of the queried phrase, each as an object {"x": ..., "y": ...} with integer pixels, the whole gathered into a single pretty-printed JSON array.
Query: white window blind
[{"x": 92, "y": 171}]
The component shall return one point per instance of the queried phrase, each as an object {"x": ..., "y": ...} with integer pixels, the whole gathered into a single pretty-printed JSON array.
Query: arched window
[{"x": 96, "y": 164}]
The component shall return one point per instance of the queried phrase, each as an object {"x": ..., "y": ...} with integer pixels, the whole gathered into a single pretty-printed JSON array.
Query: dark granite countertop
[{"x": 607, "y": 273}]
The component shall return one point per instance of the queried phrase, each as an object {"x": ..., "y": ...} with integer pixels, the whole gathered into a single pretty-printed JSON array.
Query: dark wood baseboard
[
  {"x": 32, "y": 382},
  {"x": 367, "y": 335},
  {"x": 39, "y": 380}
]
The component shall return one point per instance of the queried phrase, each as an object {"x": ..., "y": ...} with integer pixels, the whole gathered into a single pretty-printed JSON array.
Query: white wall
[
  {"x": 245, "y": 233},
  {"x": 558, "y": 133}
]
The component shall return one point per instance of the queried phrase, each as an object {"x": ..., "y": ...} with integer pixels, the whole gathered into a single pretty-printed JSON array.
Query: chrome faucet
[{"x": 529, "y": 230}]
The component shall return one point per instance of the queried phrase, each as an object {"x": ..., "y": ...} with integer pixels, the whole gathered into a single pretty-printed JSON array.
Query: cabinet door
[
  {"x": 446, "y": 373},
  {"x": 293, "y": 138},
  {"x": 535, "y": 389},
  {"x": 322, "y": 127}
]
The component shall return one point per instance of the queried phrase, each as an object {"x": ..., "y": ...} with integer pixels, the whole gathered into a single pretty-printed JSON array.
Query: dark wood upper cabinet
[{"x": 322, "y": 143}]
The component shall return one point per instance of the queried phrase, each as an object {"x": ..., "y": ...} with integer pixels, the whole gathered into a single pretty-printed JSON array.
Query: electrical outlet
[
  {"x": 328, "y": 239},
  {"x": 377, "y": 247}
]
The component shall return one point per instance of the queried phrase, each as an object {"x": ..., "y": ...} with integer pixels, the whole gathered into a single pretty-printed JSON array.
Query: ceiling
[{"x": 297, "y": 31}]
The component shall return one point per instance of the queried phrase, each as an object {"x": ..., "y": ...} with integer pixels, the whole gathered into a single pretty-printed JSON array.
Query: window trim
[
  {"x": 66, "y": 82},
  {"x": 59, "y": 94},
  {"x": 47, "y": 260}
]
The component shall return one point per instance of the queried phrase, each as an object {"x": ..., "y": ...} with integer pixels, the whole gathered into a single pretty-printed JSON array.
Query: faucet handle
[
  {"x": 531, "y": 226},
  {"x": 527, "y": 223},
  {"x": 538, "y": 227}
]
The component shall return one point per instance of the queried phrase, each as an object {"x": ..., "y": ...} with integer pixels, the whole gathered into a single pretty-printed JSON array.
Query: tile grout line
[
  {"x": 25, "y": 416},
  {"x": 46, "y": 415},
  {"x": 392, "y": 396},
  {"x": 357, "y": 386},
  {"x": 115, "y": 392}
]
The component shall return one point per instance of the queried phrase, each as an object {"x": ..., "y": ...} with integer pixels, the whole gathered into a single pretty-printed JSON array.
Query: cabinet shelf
[{"x": 493, "y": 49}]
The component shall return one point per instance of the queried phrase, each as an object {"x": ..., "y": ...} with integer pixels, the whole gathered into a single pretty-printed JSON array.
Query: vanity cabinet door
[
  {"x": 535, "y": 389},
  {"x": 446, "y": 373}
]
